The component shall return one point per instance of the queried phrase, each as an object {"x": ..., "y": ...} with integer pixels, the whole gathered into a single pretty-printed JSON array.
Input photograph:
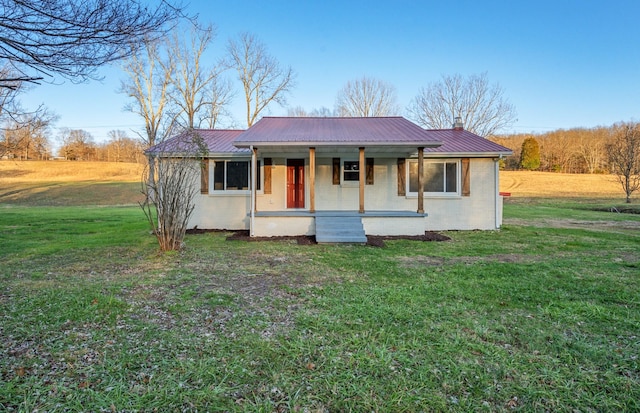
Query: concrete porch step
[{"x": 334, "y": 229}]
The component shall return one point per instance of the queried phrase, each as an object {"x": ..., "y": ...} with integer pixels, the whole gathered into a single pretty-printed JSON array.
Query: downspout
[
  {"x": 496, "y": 162},
  {"x": 254, "y": 169}
]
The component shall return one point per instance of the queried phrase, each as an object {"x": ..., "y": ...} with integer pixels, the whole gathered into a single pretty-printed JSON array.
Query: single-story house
[{"x": 341, "y": 179}]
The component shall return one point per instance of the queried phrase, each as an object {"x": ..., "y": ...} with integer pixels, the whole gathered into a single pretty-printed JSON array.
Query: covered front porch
[
  {"x": 337, "y": 226},
  {"x": 318, "y": 171}
]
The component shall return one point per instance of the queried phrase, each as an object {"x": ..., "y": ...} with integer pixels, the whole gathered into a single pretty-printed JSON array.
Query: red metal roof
[
  {"x": 217, "y": 141},
  {"x": 292, "y": 131},
  {"x": 389, "y": 131},
  {"x": 464, "y": 142}
]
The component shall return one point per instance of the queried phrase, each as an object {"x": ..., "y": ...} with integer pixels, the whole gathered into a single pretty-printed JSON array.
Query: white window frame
[
  {"x": 225, "y": 191},
  {"x": 443, "y": 161},
  {"x": 346, "y": 182}
]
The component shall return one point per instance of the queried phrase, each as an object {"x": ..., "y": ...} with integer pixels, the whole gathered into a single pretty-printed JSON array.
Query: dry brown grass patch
[
  {"x": 69, "y": 171},
  {"x": 550, "y": 184}
]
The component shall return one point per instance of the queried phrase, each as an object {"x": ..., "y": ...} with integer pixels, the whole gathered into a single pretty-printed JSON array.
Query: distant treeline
[
  {"x": 577, "y": 150},
  {"x": 77, "y": 145}
]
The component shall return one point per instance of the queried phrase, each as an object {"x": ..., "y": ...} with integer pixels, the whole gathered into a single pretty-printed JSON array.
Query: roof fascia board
[
  {"x": 430, "y": 144},
  {"x": 200, "y": 155},
  {"x": 466, "y": 154}
]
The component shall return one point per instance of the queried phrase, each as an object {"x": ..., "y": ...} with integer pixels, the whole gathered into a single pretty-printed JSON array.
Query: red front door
[{"x": 295, "y": 183}]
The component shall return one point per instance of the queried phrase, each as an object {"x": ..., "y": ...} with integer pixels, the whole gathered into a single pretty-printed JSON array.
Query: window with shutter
[
  {"x": 336, "y": 171},
  {"x": 369, "y": 165}
]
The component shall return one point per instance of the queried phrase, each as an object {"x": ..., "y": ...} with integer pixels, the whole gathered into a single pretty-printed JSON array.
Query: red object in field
[{"x": 505, "y": 193}]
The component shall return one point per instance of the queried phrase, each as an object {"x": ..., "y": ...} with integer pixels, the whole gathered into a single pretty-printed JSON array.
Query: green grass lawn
[{"x": 543, "y": 315}]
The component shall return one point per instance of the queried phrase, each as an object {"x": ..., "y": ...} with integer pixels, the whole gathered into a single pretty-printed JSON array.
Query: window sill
[
  {"x": 229, "y": 193},
  {"x": 435, "y": 195},
  {"x": 350, "y": 184}
]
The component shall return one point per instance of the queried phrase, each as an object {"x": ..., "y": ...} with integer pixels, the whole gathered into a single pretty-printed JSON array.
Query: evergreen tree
[{"x": 530, "y": 154}]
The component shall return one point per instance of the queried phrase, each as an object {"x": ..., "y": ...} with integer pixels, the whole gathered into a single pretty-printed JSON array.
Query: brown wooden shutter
[
  {"x": 466, "y": 177},
  {"x": 336, "y": 171},
  {"x": 402, "y": 188},
  {"x": 369, "y": 163},
  {"x": 268, "y": 162},
  {"x": 204, "y": 176}
]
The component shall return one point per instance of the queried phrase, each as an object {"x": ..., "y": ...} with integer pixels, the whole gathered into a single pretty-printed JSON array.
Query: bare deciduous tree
[
  {"x": 263, "y": 79},
  {"x": 121, "y": 148},
  {"x": 170, "y": 196},
  {"x": 218, "y": 97},
  {"x": 367, "y": 97},
  {"x": 198, "y": 93},
  {"x": 322, "y": 112},
  {"x": 149, "y": 78},
  {"x": 71, "y": 38},
  {"x": 14, "y": 119},
  {"x": 624, "y": 157},
  {"x": 77, "y": 145},
  {"x": 26, "y": 137},
  {"x": 9, "y": 93},
  {"x": 591, "y": 148},
  {"x": 483, "y": 108},
  {"x": 171, "y": 90},
  {"x": 297, "y": 112},
  {"x": 26, "y": 133},
  {"x": 557, "y": 154}
]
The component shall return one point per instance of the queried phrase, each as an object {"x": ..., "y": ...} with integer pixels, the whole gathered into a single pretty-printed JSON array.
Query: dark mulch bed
[
  {"x": 372, "y": 240},
  {"x": 378, "y": 241},
  {"x": 244, "y": 236}
]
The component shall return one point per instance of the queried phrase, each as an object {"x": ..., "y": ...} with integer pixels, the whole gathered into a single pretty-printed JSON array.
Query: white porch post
[
  {"x": 496, "y": 172},
  {"x": 362, "y": 178},
  {"x": 254, "y": 180},
  {"x": 421, "y": 180}
]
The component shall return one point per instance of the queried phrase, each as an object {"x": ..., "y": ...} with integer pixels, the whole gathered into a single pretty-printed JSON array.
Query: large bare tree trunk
[{"x": 624, "y": 157}]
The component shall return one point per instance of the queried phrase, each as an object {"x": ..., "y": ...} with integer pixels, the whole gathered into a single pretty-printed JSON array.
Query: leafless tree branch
[
  {"x": 72, "y": 38},
  {"x": 367, "y": 97},
  {"x": 263, "y": 79},
  {"x": 482, "y": 107}
]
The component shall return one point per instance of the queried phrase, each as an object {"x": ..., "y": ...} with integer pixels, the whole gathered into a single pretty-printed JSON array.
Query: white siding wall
[
  {"x": 230, "y": 211},
  {"x": 467, "y": 213},
  {"x": 221, "y": 212}
]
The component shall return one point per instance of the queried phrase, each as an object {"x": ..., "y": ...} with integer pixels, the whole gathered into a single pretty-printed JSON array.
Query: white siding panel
[
  {"x": 221, "y": 212},
  {"x": 467, "y": 213}
]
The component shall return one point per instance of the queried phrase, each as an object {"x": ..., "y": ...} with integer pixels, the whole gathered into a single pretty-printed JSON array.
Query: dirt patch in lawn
[{"x": 569, "y": 223}]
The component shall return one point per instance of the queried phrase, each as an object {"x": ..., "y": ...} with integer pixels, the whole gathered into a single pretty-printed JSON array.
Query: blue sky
[{"x": 563, "y": 64}]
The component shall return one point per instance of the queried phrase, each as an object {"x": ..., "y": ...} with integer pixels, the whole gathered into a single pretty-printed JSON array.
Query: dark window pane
[
  {"x": 218, "y": 176},
  {"x": 452, "y": 177},
  {"x": 237, "y": 175},
  {"x": 413, "y": 176},
  {"x": 433, "y": 177},
  {"x": 351, "y": 171}
]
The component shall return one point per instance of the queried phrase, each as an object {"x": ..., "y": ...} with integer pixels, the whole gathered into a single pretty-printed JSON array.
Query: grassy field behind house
[
  {"x": 542, "y": 315},
  {"x": 60, "y": 183}
]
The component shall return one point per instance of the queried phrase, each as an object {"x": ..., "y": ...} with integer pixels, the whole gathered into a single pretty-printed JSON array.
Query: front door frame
[{"x": 295, "y": 191}]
